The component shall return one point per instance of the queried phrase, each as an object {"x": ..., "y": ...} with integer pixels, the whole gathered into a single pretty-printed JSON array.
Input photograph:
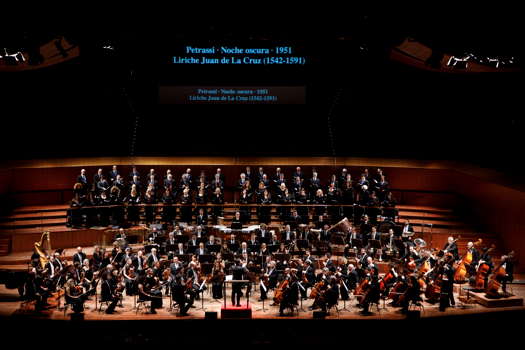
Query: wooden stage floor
[{"x": 10, "y": 306}]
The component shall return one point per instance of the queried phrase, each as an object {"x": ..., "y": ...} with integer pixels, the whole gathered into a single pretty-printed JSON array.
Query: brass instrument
[{"x": 41, "y": 250}]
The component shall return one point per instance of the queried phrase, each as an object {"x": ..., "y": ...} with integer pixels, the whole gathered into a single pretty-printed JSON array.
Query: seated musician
[
  {"x": 74, "y": 295},
  {"x": 148, "y": 290},
  {"x": 199, "y": 233},
  {"x": 243, "y": 250},
  {"x": 274, "y": 240},
  {"x": 193, "y": 243},
  {"x": 288, "y": 236},
  {"x": 139, "y": 262},
  {"x": 264, "y": 251},
  {"x": 171, "y": 239},
  {"x": 192, "y": 281},
  {"x": 451, "y": 247},
  {"x": 211, "y": 241},
  {"x": 180, "y": 249},
  {"x": 201, "y": 250},
  {"x": 175, "y": 265},
  {"x": 408, "y": 230},
  {"x": 374, "y": 235},
  {"x": 325, "y": 235},
  {"x": 153, "y": 257},
  {"x": 236, "y": 222},
  {"x": 109, "y": 292}
]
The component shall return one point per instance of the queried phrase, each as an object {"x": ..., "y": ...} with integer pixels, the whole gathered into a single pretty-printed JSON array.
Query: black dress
[{"x": 133, "y": 208}]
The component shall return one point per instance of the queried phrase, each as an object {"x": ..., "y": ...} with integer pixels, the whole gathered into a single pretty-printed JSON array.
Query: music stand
[
  {"x": 281, "y": 256},
  {"x": 214, "y": 248},
  {"x": 227, "y": 256},
  {"x": 261, "y": 285},
  {"x": 337, "y": 239},
  {"x": 233, "y": 246},
  {"x": 184, "y": 257},
  {"x": 254, "y": 248},
  {"x": 147, "y": 248},
  {"x": 358, "y": 243},
  {"x": 182, "y": 239},
  {"x": 399, "y": 245},
  {"x": 302, "y": 243},
  {"x": 171, "y": 248},
  {"x": 236, "y": 281},
  {"x": 273, "y": 247},
  {"x": 206, "y": 258}
]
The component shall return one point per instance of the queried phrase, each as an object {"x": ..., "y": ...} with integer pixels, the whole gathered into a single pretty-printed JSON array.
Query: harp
[{"x": 43, "y": 247}]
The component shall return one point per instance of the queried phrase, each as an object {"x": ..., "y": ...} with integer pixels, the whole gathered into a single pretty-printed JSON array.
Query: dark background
[{"x": 359, "y": 103}]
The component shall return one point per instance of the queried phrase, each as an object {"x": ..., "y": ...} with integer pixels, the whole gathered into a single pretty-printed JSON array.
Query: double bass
[
  {"x": 497, "y": 277},
  {"x": 279, "y": 292}
]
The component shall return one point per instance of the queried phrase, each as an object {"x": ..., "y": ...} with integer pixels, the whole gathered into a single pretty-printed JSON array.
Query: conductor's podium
[
  {"x": 236, "y": 312},
  {"x": 232, "y": 311}
]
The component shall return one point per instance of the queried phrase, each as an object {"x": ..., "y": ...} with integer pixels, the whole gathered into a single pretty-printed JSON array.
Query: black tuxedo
[
  {"x": 291, "y": 234},
  {"x": 79, "y": 257},
  {"x": 83, "y": 180}
]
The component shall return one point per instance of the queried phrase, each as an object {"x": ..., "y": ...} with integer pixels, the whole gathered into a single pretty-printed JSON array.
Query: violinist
[
  {"x": 148, "y": 289},
  {"x": 109, "y": 292},
  {"x": 411, "y": 295},
  {"x": 217, "y": 279},
  {"x": 130, "y": 277}
]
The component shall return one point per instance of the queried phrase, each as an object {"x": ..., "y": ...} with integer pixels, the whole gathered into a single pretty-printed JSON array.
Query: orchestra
[{"x": 307, "y": 255}]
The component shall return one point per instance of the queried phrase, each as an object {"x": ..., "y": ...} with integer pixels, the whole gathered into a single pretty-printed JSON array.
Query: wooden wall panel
[{"x": 498, "y": 209}]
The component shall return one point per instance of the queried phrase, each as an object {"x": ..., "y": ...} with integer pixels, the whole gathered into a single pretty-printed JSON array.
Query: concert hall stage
[{"x": 440, "y": 198}]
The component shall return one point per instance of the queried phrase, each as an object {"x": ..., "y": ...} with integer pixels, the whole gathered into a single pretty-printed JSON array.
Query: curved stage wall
[{"x": 477, "y": 194}]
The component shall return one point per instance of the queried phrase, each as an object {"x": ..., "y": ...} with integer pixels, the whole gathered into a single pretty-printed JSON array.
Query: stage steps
[{"x": 5, "y": 246}]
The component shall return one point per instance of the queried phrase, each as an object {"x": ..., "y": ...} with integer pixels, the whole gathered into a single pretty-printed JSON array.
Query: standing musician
[
  {"x": 451, "y": 247},
  {"x": 217, "y": 279}
]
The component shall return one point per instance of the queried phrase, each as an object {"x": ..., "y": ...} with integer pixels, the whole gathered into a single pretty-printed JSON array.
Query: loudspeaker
[
  {"x": 413, "y": 314},
  {"x": 210, "y": 315},
  {"x": 77, "y": 316},
  {"x": 319, "y": 314}
]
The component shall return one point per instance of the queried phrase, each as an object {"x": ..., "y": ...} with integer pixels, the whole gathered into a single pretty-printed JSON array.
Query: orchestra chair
[
  {"x": 173, "y": 304},
  {"x": 102, "y": 303},
  {"x": 67, "y": 306},
  {"x": 141, "y": 304},
  {"x": 334, "y": 306},
  {"x": 416, "y": 306}
]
